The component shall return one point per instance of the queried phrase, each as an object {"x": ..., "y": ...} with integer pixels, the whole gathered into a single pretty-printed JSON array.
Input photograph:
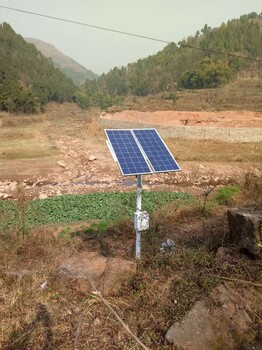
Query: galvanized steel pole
[{"x": 138, "y": 209}]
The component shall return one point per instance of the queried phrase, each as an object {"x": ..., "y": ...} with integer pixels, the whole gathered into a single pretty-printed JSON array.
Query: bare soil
[
  {"x": 49, "y": 154},
  {"x": 223, "y": 119}
]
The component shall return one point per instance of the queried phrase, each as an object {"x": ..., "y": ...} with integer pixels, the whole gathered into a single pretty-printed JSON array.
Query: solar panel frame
[
  {"x": 157, "y": 153},
  {"x": 128, "y": 153}
]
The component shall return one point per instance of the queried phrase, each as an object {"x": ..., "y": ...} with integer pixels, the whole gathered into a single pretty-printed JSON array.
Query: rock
[
  {"x": 4, "y": 195},
  {"x": 195, "y": 331},
  {"x": 107, "y": 273},
  {"x": 228, "y": 300},
  {"x": 81, "y": 178},
  {"x": 42, "y": 196},
  {"x": 219, "y": 327},
  {"x": 245, "y": 228},
  {"x": 223, "y": 255},
  {"x": 13, "y": 186},
  {"x": 61, "y": 163},
  {"x": 91, "y": 158}
]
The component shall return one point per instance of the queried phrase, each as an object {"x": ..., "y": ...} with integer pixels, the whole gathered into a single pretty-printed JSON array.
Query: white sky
[{"x": 171, "y": 20}]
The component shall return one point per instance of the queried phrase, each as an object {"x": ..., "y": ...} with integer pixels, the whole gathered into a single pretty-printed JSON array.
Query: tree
[
  {"x": 208, "y": 74},
  {"x": 27, "y": 79}
]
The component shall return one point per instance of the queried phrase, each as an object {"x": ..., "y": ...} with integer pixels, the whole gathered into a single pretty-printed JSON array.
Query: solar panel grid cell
[
  {"x": 156, "y": 151},
  {"x": 130, "y": 158}
]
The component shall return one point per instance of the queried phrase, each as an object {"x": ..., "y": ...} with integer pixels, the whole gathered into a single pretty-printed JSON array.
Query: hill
[
  {"x": 196, "y": 63},
  {"x": 28, "y": 80},
  {"x": 67, "y": 65}
]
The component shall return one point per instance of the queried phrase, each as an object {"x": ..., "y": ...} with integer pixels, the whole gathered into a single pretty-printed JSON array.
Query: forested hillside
[
  {"x": 182, "y": 66},
  {"x": 67, "y": 65},
  {"x": 28, "y": 80}
]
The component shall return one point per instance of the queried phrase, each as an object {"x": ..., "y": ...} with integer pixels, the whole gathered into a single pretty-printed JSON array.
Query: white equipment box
[{"x": 141, "y": 220}]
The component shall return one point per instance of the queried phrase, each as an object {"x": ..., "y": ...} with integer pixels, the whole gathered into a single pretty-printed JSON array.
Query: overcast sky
[{"x": 98, "y": 50}]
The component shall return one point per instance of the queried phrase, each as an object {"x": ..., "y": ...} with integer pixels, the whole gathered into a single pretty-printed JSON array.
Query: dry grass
[
  {"x": 166, "y": 284},
  {"x": 215, "y": 151},
  {"x": 252, "y": 187},
  {"x": 25, "y": 137},
  {"x": 165, "y": 287},
  {"x": 243, "y": 93}
]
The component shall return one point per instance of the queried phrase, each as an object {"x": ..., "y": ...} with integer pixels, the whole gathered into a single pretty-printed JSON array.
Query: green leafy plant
[{"x": 84, "y": 207}]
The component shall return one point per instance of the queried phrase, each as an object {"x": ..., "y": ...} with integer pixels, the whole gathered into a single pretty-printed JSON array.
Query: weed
[
  {"x": 65, "y": 233},
  {"x": 226, "y": 194},
  {"x": 98, "y": 227}
]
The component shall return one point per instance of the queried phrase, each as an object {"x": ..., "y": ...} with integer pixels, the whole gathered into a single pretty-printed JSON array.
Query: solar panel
[
  {"x": 140, "y": 151},
  {"x": 156, "y": 150},
  {"x": 127, "y": 152}
]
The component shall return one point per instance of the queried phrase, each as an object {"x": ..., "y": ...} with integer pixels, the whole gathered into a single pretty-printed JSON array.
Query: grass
[
  {"x": 224, "y": 194},
  {"x": 252, "y": 187},
  {"x": 164, "y": 288},
  {"x": 243, "y": 93},
  {"x": 218, "y": 151},
  {"x": 26, "y": 142},
  {"x": 35, "y": 136}
]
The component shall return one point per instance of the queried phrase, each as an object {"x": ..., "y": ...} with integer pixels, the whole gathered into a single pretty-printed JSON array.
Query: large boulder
[
  {"x": 108, "y": 274},
  {"x": 216, "y": 327},
  {"x": 245, "y": 226}
]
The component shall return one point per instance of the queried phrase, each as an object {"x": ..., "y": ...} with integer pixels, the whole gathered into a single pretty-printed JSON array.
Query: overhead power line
[
  {"x": 130, "y": 34},
  {"x": 85, "y": 24}
]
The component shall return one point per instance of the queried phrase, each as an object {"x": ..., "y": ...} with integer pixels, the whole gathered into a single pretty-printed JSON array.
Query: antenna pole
[{"x": 138, "y": 210}]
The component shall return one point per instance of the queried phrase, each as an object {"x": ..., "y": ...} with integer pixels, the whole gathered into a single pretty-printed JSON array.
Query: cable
[
  {"x": 85, "y": 24},
  {"x": 131, "y": 34},
  {"x": 221, "y": 53}
]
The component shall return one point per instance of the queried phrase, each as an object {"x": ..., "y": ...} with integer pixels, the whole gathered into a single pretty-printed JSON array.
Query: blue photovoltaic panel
[
  {"x": 128, "y": 154},
  {"x": 156, "y": 151}
]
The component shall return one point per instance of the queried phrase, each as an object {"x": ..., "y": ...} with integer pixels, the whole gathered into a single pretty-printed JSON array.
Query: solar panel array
[{"x": 140, "y": 151}]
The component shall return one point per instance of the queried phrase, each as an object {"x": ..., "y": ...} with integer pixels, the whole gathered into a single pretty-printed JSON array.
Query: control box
[{"x": 141, "y": 220}]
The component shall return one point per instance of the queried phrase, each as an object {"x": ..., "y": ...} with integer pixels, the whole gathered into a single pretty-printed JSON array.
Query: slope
[
  {"x": 197, "y": 62},
  {"x": 28, "y": 80},
  {"x": 67, "y": 65}
]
